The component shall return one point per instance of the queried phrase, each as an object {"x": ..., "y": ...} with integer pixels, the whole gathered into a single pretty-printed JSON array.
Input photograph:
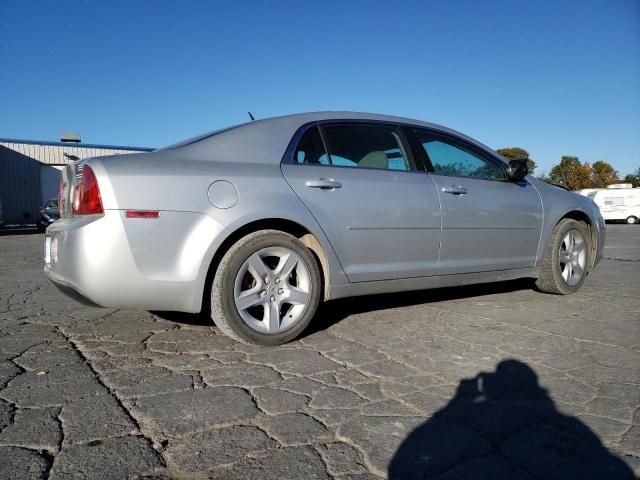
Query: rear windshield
[{"x": 199, "y": 138}]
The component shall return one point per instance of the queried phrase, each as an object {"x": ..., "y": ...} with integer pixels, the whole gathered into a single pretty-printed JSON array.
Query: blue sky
[{"x": 553, "y": 77}]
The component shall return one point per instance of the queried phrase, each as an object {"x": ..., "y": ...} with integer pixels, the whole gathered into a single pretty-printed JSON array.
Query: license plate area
[
  {"x": 47, "y": 250},
  {"x": 50, "y": 250}
]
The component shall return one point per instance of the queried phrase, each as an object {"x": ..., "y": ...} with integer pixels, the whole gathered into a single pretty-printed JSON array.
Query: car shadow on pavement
[
  {"x": 194, "y": 319},
  {"x": 335, "y": 311},
  {"x": 504, "y": 425}
]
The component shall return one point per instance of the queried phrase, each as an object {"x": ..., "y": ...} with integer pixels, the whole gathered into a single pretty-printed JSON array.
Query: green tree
[
  {"x": 571, "y": 173},
  {"x": 633, "y": 178},
  {"x": 513, "y": 153},
  {"x": 603, "y": 175}
]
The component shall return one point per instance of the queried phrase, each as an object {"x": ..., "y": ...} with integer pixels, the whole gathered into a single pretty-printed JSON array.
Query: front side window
[
  {"x": 449, "y": 158},
  {"x": 366, "y": 146}
]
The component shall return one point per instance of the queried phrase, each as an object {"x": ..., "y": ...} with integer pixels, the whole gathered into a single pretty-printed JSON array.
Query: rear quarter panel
[{"x": 172, "y": 182}]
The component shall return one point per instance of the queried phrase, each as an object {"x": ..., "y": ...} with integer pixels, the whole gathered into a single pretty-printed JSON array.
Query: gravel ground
[{"x": 495, "y": 381}]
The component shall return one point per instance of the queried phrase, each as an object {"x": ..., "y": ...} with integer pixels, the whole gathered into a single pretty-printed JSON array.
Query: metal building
[{"x": 30, "y": 172}]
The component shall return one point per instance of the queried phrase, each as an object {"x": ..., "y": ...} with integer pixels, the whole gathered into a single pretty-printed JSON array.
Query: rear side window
[
  {"x": 310, "y": 148},
  {"x": 366, "y": 146},
  {"x": 451, "y": 158}
]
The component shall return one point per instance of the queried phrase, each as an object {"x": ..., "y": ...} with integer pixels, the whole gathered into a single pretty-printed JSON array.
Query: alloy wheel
[
  {"x": 572, "y": 257},
  {"x": 272, "y": 289}
]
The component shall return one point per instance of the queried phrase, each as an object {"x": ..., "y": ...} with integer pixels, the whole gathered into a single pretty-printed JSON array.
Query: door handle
[
  {"x": 324, "y": 183},
  {"x": 455, "y": 190}
]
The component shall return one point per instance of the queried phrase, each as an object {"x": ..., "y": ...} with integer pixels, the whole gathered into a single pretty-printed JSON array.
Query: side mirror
[{"x": 517, "y": 170}]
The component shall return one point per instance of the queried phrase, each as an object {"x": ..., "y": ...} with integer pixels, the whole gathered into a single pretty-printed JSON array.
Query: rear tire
[
  {"x": 631, "y": 220},
  {"x": 567, "y": 258},
  {"x": 266, "y": 289}
]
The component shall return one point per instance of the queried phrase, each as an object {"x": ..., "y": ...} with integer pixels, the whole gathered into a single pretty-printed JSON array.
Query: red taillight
[{"x": 86, "y": 199}]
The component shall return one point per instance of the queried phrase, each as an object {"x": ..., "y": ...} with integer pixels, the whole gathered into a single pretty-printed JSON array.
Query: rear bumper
[
  {"x": 70, "y": 290},
  {"x": 117, "y": 262}
]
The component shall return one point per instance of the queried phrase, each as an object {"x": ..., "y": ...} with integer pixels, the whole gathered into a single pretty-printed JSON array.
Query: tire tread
[
  {"x": 224, "y": 319},
  {"x": 549, "y": 279}
]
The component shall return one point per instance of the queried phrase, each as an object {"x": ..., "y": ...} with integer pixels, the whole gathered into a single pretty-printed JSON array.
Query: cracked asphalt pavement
[{"x": 494, "y": 381}]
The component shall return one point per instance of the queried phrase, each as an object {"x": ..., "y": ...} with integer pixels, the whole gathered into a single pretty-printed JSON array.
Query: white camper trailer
[{"x": 617, "y": 202}]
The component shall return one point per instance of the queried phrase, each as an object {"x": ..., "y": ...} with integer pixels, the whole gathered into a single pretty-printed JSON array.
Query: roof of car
[
  {"x": 266, "y": 140},
  {"x": 300, "y": 119},
  {"x": 309, "y": 117}
]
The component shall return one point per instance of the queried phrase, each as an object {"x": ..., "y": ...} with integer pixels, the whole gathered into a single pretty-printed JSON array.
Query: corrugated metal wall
[
  {"x": 20, "y": 165},
  {"x": 19, "y": 186}
]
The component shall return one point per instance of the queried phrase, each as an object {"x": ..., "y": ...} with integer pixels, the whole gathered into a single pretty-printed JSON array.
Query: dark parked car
[{"x": 49, "y": 213}]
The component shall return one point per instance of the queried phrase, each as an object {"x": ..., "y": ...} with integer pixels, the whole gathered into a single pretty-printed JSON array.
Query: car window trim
[
  {"x": 422, "y": 163},
  {"x": 406, "y": 150},
  {"x": 325, "y": 145},
  {"x": 417, "y": 163},
  {"x": 417, "y": 149},
  {"x": 293, "y": 145}
]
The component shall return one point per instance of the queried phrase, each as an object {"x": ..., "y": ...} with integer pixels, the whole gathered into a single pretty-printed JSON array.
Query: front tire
[
  {"x": 566, "y": 260},
  {"x": 631, "y": 220},
  {"x": 266, "y": 289}
]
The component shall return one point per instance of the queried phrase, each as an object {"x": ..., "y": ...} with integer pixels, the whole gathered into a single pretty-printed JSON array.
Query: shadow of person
[{"x": 503, "y": 425}]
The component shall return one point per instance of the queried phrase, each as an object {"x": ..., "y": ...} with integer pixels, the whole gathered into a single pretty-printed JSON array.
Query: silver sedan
[{"x": 257, "y": 223}]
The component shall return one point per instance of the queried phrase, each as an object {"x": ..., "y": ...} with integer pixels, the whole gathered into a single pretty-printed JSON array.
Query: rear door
[
  {"x": 378, "y": 209},
  {"x": 489, "y": 223}
]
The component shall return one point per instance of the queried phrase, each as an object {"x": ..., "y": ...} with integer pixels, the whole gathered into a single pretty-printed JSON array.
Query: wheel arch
[{"x": 308, "y": 238}]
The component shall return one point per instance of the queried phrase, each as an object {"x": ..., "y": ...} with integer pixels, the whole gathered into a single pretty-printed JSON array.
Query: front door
[
  {"x": 489, "y": 223},
  {"x": 380, "y": 212}
]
